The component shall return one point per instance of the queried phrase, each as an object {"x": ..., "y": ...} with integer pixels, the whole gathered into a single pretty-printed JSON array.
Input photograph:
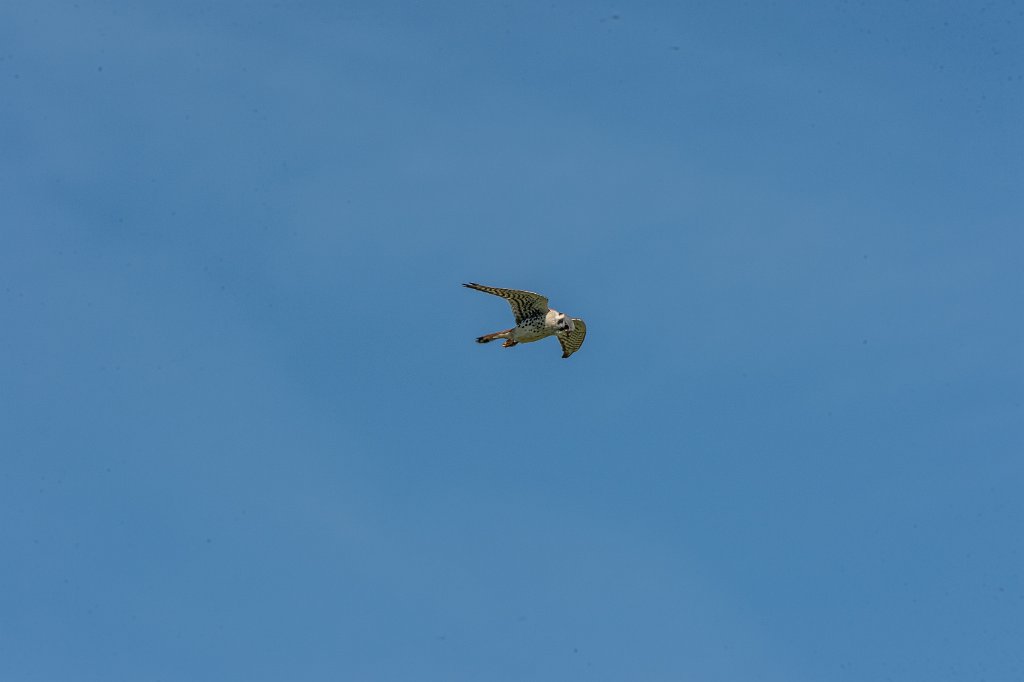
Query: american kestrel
[{"x": 534, "y": 321}]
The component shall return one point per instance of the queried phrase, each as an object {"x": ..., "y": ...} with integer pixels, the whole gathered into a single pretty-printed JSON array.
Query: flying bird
[{"x": 534, "y": 321}]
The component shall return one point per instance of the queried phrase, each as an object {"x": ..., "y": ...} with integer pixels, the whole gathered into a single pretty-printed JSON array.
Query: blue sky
[{"x": 246, "y": 432}]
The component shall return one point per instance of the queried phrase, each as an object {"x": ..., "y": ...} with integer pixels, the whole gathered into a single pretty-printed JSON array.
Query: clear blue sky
[{"x": 246, "y": 433}]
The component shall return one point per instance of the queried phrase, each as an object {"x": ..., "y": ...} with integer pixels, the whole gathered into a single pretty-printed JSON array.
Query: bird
[{"x": 534, "y": 320}]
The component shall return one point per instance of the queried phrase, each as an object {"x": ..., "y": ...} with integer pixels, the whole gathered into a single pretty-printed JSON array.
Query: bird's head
[{"x": 565, "y": 323}]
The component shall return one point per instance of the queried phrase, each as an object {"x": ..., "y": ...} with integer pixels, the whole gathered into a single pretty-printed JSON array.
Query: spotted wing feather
[
  {"x": 525, "y": 304},
  {"x": 571, "y": 341}
]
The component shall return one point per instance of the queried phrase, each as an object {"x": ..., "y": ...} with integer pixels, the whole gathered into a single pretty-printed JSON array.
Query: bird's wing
[
  {"x": 571, "y": 341},
  {"x": 524, "y": 303}
]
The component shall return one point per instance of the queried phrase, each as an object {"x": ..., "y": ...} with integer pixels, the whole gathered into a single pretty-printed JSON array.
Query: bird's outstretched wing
[
  {"x": 524, "y": 303},
  {"x": 571, "y": 341}
]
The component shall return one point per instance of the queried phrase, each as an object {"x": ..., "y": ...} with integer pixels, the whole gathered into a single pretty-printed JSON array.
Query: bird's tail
[{"x": 487, "y": 338}]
